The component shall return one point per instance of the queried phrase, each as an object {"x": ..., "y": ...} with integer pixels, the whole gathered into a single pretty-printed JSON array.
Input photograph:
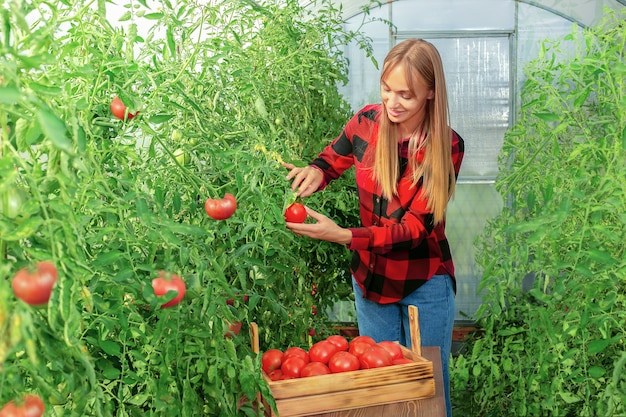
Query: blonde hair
[{"x": 420, "y": 59}]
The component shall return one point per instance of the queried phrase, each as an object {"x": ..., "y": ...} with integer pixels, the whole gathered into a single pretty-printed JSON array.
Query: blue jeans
[{"x": 435, "y": 304}]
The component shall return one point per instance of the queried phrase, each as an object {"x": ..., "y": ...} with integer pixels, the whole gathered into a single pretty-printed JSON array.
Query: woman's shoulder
[{"x": 369, "y": 112}]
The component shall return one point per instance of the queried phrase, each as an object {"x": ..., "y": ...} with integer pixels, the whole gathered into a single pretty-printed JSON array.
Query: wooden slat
[{"x": 363, "y": 397}]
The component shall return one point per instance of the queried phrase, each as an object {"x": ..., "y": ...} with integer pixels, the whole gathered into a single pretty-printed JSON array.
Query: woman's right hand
[{"x": 306, "y": 180}]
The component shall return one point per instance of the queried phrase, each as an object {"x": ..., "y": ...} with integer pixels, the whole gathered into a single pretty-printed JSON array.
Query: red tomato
[
  {"x": 292, "y": 366},
  {"x": 276, "y": 375},
  {"x": 32, "y": 406},
  {"x": 358, "y": 348},
  {"x": 375, "y": 357},
  {"x": 169, "y": 282},
  {"x": 322, "y": 351},
  {"x": 343, "y": 361},
  {"x": 221, "y": 208},
  {"x": 295, "y": 213},
  {"x": 271, "y": 360},
  {"x": 401, "y": 361},
  {"x": 362, "y": 338},
  {"x": 314, "y": 369},
  {"x": 118, "y": 108},
  {"x": 296, "y": 351},
  {"x": 34, "y": 285},
  {"x": 233, "y": 329},
  {"x": 393, "y": 348},
  {"x": 339, "y": 341}
]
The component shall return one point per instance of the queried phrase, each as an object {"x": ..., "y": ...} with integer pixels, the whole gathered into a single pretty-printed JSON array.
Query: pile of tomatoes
[{"x": 332, "y": 355}]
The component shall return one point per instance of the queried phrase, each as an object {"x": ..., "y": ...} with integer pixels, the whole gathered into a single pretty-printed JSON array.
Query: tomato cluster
[{"x": 332, "y": 355}]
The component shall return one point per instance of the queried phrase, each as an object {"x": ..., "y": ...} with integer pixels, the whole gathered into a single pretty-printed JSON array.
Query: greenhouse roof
[{"x": 584, "y": 12}]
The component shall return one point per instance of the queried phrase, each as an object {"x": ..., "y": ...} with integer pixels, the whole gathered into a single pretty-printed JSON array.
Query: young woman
[{"x": 407, "y": 159}]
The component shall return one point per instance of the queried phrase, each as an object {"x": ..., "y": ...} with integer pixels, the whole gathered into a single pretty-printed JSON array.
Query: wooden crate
[{"x": 356, "y": 389}]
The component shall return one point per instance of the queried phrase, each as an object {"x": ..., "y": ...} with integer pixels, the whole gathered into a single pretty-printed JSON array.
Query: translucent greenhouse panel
[
  {"x": 472, "y": 206},
  {"x": 586, "y": 12},
  {"x": 535, "y": 26},
  {"x": 364, "y": 85},
  {"x": 478, "y": 81},
  {"x": 452, "y": 15}
]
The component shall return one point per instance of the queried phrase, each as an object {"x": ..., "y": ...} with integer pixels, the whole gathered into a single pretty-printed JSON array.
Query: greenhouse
[{"x": 194, "y": 218}]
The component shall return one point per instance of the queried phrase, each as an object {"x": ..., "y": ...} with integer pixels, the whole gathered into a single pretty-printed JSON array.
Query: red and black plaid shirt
[{"x": 397, "y": 249}]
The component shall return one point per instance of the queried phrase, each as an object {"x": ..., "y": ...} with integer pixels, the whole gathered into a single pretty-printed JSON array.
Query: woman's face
[{"x": 404, "y": 107}]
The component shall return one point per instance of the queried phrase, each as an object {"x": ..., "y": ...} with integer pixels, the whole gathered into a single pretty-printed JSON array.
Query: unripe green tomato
[
  {"x": 16, "y": 197},
  {"x": 181, "y": 156},
  {"x": 176, "y": 135},
  {"x": 278, "y": 121}
]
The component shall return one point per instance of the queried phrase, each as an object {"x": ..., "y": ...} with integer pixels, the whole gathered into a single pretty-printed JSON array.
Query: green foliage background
[
  {"x": 552, "y": 322},
  {"x": 237, "y": 86}
]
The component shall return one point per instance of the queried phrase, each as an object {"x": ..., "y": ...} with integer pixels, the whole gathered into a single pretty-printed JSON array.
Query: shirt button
[{"x": 371, "y": 265}]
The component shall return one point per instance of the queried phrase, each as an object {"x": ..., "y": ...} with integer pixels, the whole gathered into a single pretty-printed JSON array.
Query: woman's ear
[{"x": 431, "y": 94}]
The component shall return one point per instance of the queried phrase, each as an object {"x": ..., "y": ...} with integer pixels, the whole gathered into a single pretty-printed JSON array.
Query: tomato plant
[
  {"x": 322, "y": 351},
  {"x": 375, "y": 357},
  {"x": 167, "y": 282},
  {"x": 119, "y": 109},
  {"x": 220, "y": 208},
  {"x": 271, "y": 360},
  {"x": 314, "y": 369},
  {"x": 31, "y": 406},
  {"x": 33, "y": 285},
  {"x": 295, "y": 213},
  {"x": 343, "y": 361},
  {"x": 110, "y": 204}
]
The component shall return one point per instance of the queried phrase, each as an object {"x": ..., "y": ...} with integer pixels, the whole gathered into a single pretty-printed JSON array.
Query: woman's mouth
[{"x": 394, "y": 113}]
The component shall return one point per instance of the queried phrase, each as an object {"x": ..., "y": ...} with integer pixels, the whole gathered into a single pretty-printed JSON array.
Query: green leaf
[
  {"x": 54, "y": 128},
  {"x": 110, "y": 347},
  {"x": 596, "y": 372},
  {"x": 547, "y": 117},
  {"x": 25, "y": 230},
  {"x": 597, "y": 346},
  {"x": 126, "y": 16},
  {"x": 154, "y": 16},
  {"x": 569, "y": 397},
  {"x": 160, "y": 118},
  {"x": 9, "y": 95}
]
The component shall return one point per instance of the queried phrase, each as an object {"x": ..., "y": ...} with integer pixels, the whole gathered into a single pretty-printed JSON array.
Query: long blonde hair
[{"x": 420, "y": 59}]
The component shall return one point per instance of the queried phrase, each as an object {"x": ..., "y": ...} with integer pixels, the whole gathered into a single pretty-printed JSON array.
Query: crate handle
[
  {"x": 414, "y": 326},
  {"x": 254, "y": 335}
]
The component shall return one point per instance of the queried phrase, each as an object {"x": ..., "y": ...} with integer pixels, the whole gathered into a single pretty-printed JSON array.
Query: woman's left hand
[{"x": 323, "y": 229}]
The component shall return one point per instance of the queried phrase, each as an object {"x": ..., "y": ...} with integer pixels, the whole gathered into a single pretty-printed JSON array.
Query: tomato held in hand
[
  {"x": 32, "y": 406},
  {"x": 295, "y": 213},
  {"x": 118, "y": 108},
  {"x": 169, "y": 282},
  {"x": 343, "y": 361},
  {"x": 375, "y": 357},
  {"x": 314, "y": 369},
  {"x": 322, "y": 351},
  {"x": 220, "y": 208},
  {"x": 271, "y": 360},
  {"x": 34, "y": 285}
]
